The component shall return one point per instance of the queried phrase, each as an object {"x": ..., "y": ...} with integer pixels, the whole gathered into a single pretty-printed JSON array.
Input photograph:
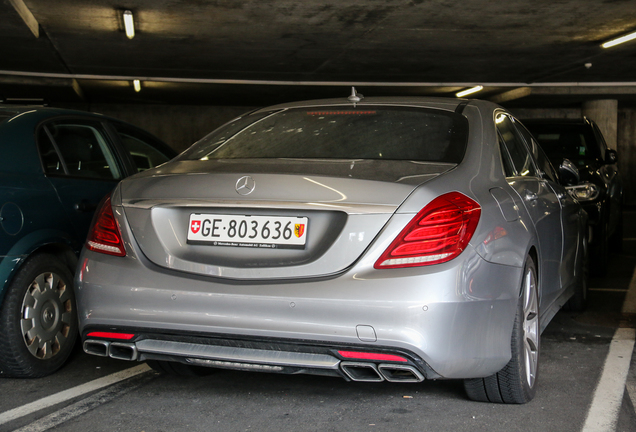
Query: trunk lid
[{"x": 342, "y": 205}]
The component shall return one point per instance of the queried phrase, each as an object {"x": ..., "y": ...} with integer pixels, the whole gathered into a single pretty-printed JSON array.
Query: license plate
[{"x": 248, "y": 231}]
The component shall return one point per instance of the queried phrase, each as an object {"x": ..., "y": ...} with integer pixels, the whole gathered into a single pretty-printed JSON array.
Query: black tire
[
  {"x": 516, "y": 383},
  {"x": 38, "y": 319},
  {"x": 178, "y": 369}
]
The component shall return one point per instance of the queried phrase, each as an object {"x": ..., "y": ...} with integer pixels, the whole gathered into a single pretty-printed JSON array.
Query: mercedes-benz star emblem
[{"x": 245, "y": 185}]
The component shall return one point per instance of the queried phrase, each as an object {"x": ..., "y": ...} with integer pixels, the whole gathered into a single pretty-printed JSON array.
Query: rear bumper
[
  {"x": 286, "y": 357},
  {"x": 452, "y": 320}
]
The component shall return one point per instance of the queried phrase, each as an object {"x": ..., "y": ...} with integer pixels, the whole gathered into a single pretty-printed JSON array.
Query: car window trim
[
  {"x": 83, "y": 178},
  {"x": 503, "y": 149},
  {"x": 601, "y": 143},
  {"x": 112, "y": 130},
  {"x": 112, "y": 145},
  {"x": 523, "y": 142},
  {"x": 542, "y": 175},
  {"x": 123, "y": 155},
  {"x": 57, "y": 150}
]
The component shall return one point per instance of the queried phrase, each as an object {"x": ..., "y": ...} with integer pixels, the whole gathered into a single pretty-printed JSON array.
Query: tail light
[
  {"x": 357, "y": 355},
  {"x": 111, "y": 335},
  {"x": 437, "y": 234},
  {"x": 105, "y": 236}
]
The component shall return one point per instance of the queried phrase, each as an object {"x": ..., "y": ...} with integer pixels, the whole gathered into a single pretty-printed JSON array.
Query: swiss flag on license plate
[{"x": 195, "y": 226}]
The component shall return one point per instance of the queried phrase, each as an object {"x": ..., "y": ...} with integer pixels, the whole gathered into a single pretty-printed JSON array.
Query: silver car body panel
[
  {"x": 402, "y": 316},
  {"x": 457, "y": 317}
]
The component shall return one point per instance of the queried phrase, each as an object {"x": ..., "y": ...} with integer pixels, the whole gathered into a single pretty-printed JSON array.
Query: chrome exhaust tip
[
  {"x": 400, "y": 373},
  {"x": 96, "y": 347},
  {"x": 366, "y": 372},
  {"x": 123, "y": 351}
]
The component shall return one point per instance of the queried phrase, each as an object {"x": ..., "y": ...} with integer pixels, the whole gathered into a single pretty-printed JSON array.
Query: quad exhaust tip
[
  {"x": 96, "y": 347},
  {"x": 116, "y": 350},
  {"x": 365, "y": 372},
  {"x": 370, "y": 372},
  {"x": 400, "y": 373}
]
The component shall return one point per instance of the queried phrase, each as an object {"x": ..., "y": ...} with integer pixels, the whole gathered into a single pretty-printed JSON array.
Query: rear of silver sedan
[{"x": 362, "y": 265}]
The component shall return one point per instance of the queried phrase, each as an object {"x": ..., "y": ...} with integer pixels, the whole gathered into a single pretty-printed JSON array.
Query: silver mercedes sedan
[{"x": 378, "y": 239}]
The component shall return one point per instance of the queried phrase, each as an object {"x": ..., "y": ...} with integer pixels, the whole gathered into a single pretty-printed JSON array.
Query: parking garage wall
[
  {"x": 178, "y": 125},
  {"x": 626, "y": 140}
]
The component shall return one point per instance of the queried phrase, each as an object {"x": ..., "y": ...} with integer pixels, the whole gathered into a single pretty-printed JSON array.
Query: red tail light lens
[
  {"x": 105, "y": 236},
  {"x": 110, "y": 335},
  {"x": 371, "y": 356},
  {"x": 437, "y": 234}
]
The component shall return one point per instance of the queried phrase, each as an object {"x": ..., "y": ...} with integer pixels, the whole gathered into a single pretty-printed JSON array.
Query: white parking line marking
[
  {"x": 608, "y": 396},
  {"x": 74, "y": 392},
  {"x": 83, "y": 406}
]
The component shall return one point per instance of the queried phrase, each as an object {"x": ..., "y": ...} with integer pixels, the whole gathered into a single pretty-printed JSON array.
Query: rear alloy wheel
[
  {"x": 38, "y": 319},
  {"x": 516, "y": 382}
]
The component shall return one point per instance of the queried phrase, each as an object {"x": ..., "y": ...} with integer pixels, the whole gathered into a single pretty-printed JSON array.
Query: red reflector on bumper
[
  {"x": 371, "y": 356},
  {"x": 125, "y": 336}
]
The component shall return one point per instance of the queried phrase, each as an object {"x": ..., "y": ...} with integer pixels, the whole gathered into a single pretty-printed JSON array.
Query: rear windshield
[
  {"x": 573, "y": 142},
  {"x": 372, "y": 132}
]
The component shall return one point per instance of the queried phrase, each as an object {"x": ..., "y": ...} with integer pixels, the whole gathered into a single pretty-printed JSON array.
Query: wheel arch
[
  {"x": 533, "y": 253},
  {"x": 62, "y": 247}
]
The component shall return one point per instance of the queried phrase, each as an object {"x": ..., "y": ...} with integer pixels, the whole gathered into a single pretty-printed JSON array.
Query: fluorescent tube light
[
  {"x": 619, "y": 40},
  {"x": 129, "y": 24},
  {"x": 469, "y": 91},
  {"x": 137, "y": 85}
]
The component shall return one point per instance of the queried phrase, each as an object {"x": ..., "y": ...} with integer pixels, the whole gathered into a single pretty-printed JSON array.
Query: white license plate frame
[{"x": 262, "y": 231}]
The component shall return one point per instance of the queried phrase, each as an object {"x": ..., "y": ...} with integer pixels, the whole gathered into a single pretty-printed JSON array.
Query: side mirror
[
  {"x": 569, "y": 173},
  {"x": 611, "y": 156}
]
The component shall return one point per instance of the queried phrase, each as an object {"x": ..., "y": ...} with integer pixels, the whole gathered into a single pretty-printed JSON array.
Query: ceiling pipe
[
  {"x": 310, "y": 83},
  {"x": 27, "y": 16}
]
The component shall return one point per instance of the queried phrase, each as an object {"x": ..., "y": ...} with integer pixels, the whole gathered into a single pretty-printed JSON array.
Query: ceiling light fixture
[
  {"x": 129, "y": 24},
  {"x": 619, "y": 40},
  {"x": 137, "y": 85},
  {"x": 469, "y": 91}
]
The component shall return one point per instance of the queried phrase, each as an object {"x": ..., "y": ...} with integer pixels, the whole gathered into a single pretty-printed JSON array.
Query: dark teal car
[{"x": 55, "y": 167}]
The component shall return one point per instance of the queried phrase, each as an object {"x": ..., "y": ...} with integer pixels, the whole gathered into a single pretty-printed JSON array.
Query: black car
[{"x": 599, "y": 190}]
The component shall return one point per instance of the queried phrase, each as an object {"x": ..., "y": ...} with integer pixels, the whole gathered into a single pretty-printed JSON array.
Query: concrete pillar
[
  {"x": 627, "y": 153},
  {"x": 605, "y": 114}
]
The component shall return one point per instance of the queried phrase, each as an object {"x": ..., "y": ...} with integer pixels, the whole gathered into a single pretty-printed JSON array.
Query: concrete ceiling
[{"x": 253, "y": 52}]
